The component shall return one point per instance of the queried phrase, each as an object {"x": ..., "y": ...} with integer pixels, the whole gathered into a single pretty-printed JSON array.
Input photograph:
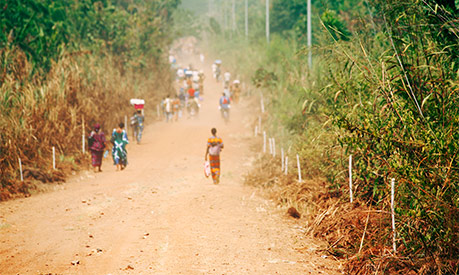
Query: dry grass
[
  {"x": 354, "y": 231},
  {"x": 39, "y": 113}
]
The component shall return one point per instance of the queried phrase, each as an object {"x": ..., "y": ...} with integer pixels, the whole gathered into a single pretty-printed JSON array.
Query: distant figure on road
[
  {"x": 226, "y": 78},
  {"x": 119, "y": 140},
  {"x": 225, "y": 105},
  {"x": 138, "y": 128},
  {"x": 214, "y": 147},
  {"x": 201, "y": 82},
  {"x": 235, "y": 90},
  {"x": 168, "y": 108},
  {"x": 97, "y": 146}
]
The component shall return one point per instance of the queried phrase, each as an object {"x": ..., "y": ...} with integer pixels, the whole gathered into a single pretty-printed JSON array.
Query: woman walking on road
[
  {"x": 119, "y": 140},
  {"x": 97, "y": 146},
  {"x": 214, "y": 147}
]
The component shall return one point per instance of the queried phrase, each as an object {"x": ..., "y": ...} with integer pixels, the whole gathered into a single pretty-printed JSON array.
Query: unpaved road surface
[{"x": 161, "y": 215}]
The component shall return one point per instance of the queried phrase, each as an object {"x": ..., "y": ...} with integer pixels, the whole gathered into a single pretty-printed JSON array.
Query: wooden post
[
  {"x": 270, "y": 146},
  {"x": 350, "y": 179},
  {"x": 283, "y": 160},
  {"x": 20, "y": 169},
  {"x": 299, "y": 167},
  {"x": 54, "y": 158},
  {"x": 392, "y": 208},
  {"x": 286, "y": 165},
  {"x": 256, "y": 130},
  {"x": 274, "y": 147},
  {"x": 83, "y": 137},
  {"x": 264, "y": 142}
]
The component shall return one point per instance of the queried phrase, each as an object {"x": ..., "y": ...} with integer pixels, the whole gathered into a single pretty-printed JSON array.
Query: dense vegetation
[
  {"x": 383, "y": 88},
  {"x": 65, "y": 65}
]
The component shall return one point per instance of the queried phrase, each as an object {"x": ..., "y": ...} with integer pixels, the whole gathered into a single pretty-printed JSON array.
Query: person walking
[
  {"x": 96, "y": 143},
  {"x": 168, "y": 108},
  {"x": 225, "y": 105},
  {"x": 119, "y": 140},
  {"x": 139, "y": 119},
  {"x": 214, "y": 147}
]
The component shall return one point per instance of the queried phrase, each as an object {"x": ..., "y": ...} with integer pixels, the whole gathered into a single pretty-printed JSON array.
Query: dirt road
[{"x": 160, "y": 215}]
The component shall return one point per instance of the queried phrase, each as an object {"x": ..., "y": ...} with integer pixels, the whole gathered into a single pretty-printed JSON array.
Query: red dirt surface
[{"x": 161, "y": 215}]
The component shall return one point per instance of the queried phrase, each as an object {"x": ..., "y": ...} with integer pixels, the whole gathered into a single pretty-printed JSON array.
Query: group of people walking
[
  {"x": 98, "y": 145},
  {"x": 119, "y": 140},
  {"x": 188, "y": 94}
]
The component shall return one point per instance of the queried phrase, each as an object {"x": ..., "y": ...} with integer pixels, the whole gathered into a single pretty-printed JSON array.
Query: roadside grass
[
  {"x": 78, "y": 92},
  {"x": 354, "y": 102}
]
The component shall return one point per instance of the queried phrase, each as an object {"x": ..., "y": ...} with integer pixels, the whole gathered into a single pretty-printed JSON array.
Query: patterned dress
[
  {"x": 119, "y": 152},
  {"x": 97, "y": 146},
  {"x": 214, "y": 145}
]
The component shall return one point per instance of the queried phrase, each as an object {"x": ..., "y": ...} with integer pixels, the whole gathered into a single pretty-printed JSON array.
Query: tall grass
[
  {"x": 388, "y": 96},
  {"x": 40, "y": 113}
]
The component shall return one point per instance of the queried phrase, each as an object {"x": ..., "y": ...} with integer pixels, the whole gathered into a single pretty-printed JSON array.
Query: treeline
[
  {"x": 69, "y": 63},
  {"x": 383, "y": 88}
]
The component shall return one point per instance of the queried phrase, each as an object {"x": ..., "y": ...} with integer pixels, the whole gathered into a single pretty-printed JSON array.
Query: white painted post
[
  {"x": 259, "y": 123},
  {"x": 256, "y": 130},
  {"x": 83, "y": 138},
  {"x": 270, "y": 146},
  {"x": 350, "y": 178},
  {"x": 286, "y": 165},
  {"x": 282, "y": 156},
  {"x": 262, "y": 105},
  {"x": 299, "y": 167},
  {"x": 264, "y": 142},
  {"x": 274, "y": 147},
  {"x": 54, "y": 158},
  {"x": 392, "y": 208},
  {"x": 20, "y": 169}
]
